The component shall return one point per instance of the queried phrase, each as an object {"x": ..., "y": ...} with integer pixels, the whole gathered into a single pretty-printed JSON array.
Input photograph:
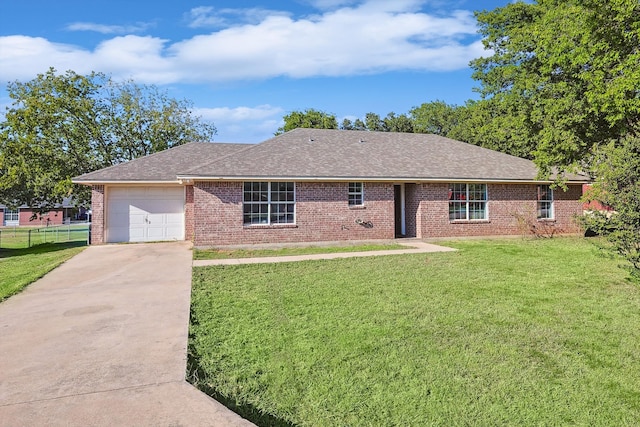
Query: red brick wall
[
  {"x": 506, "y": 201},
  {"x": 54, "y": 217},
  {"x": 1, "y": 217},
  {"x": 97, "y": 215},
  {"x": 568, "y": 205},
  {"x": 189, "y": 224},
  {"x": 322, "y": 214},
  {"x": 213, "y": 213}
]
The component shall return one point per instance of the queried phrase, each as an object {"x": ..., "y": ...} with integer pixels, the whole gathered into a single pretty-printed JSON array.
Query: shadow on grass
[
  {"x": 195, "y": 375},
  {"x": 40, "y": 249}
]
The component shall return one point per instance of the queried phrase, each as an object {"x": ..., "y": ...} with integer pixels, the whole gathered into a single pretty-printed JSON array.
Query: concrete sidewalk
[
  {"x": 101, "y": 341},
  {"x": 413, "y": 247}
]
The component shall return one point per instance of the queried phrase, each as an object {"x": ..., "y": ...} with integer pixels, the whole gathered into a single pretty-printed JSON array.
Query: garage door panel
[
  {"x": 119, "y": 206},
  {"x": 137, "y": 234},
  {"x": 138, "y": 214},
  {"x": 174, "y": 219},
  {"x": 137, "y": 218},
  {"x": 138, "y": 208},
  {"x": 118, "y": 234},
  {"x": 115, "y": 219}
]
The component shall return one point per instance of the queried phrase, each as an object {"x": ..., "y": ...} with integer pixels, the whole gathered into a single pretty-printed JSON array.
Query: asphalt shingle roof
[
  {"x": 322, "y": 153},
  {"x": 326, "y": 154},
  {"x": 164, "y": 165}
]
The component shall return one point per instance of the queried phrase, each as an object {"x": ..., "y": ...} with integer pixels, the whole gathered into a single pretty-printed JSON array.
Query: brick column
[
  {"x": 189, "y": 218},
  {"x": 97, "y": 214}
]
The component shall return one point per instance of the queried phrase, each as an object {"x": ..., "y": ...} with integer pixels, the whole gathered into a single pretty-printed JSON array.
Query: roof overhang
[
  {"x": 189, "y": 179},
  {"x": 125, "y": 182}
]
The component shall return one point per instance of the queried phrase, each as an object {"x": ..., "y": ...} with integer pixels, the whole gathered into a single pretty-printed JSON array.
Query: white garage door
[{"x": 145, "y": 214}]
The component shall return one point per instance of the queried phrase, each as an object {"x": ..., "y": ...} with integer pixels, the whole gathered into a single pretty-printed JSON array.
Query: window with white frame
[
  {"x": 545, "y": 202},
  {"x": 11, "y": 215},
  {"x": 467, "y": 202},
  {"x": 356, "y": 194},
  {"x": 269, "y": 203}
]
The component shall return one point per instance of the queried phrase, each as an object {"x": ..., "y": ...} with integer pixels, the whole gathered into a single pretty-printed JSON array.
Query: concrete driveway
[{"x": 101, "y": 341}]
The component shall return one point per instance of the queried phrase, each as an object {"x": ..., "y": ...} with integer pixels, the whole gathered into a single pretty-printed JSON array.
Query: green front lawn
[
  {"x": 504, "y": 332},
  {"x": 304, "y": 250},
  {"x": 20, "y": 267}
]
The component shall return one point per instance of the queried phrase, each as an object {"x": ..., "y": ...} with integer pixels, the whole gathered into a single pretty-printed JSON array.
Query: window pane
[
  {"x": 281, "y": 213},
  {"x": 355, "y": 193},
  {"x": 477, "y": 192},
  {"x": 477, "y": 210},
  {"x": 545, "y": 210},
  {"x": 266, "y": 203},
  {"x": 355, "y": 187},
  {"x": 467, "y": 202},
  {"x": 545, "y": 192},
  {"x": 545, "y": 202},
  {"x": 457, "y": 192},
  {"x": 457, "y": 211},
  {"x": 11, "y": 215},
  {"x": 355, "y": 199}
]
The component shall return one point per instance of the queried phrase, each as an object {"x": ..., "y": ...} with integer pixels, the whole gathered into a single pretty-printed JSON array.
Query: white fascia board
[
  {"x": 191, "y": 179},
  {"x": 115, "y": 183}
]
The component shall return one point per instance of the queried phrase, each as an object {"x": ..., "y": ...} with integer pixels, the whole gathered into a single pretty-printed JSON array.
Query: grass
[
  {"x": 21, "y": 237},
  {"x": 20, "y": 267},
  {"x": 306, "y": 250},
  {"x": 505, "y": 332}
]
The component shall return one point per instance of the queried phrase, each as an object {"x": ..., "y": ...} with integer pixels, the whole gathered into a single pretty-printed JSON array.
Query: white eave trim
[
  {"x": 91, "y": 182},
  {"x": 191, "y": 179}
]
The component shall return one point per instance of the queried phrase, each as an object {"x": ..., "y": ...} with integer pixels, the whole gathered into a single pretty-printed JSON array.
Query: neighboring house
[
  {"x": 593, "y": 205},
  {"x": 320, "y": 185},
  {"x": 24, "y": 215}
]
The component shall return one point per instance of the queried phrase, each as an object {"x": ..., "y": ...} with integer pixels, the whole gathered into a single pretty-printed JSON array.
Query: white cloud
[
  {"x": 24, "y": 57},
  {"x": 108, "y": 29},
  {"x": 204, "y": 17},
  {"x": 209, "y": 17},
  {"x": 243, "y": 124},
  {"x": 375, "y": 36},
  {"x": 139, "y": 58},
  {"x": 331, "y": 4},
  {"x": 239, "y": 114}
]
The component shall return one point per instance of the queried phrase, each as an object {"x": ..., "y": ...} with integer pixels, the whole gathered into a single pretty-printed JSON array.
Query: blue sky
[{"x": 245, "y": 64}]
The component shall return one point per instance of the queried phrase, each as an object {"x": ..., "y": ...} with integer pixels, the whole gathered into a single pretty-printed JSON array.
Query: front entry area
[
  {"x": 144, "y": 214},
  {"x": 399, "y": 207}
]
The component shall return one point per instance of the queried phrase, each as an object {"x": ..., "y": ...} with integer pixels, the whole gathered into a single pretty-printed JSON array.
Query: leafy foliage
[
  {"x": 315, "y": 119},
  {"x": 63, "y": 125},
  {"x": 564, "y": 76},
  {"x": 309, "y": 118},
  {"x": 566, "y": 72},
  {"x": 618, "y": 185},
  {"x": 435, "y": 117}
]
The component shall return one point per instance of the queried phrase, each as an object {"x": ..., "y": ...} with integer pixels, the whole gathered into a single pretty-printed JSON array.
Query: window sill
[
  {"x": 469, "y": 221},
  {"x": 268, "y": 226},
  {"x": 357, "y": 207},
  {"x": 546, "y": 220}
]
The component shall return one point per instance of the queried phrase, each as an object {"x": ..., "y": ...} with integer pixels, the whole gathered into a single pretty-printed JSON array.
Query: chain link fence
[{"x": 26, "y": 237}]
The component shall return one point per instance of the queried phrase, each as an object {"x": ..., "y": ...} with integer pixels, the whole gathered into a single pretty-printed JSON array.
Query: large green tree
[
  {"x": 617, "y": 167},
  {"x": 309, "y": 118},
  {"x": 566, "y": 71},
  {"x": 63, "y": 125},
  {"x": 566, "y": 76},
  {"x": 436, "y": 117}
]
